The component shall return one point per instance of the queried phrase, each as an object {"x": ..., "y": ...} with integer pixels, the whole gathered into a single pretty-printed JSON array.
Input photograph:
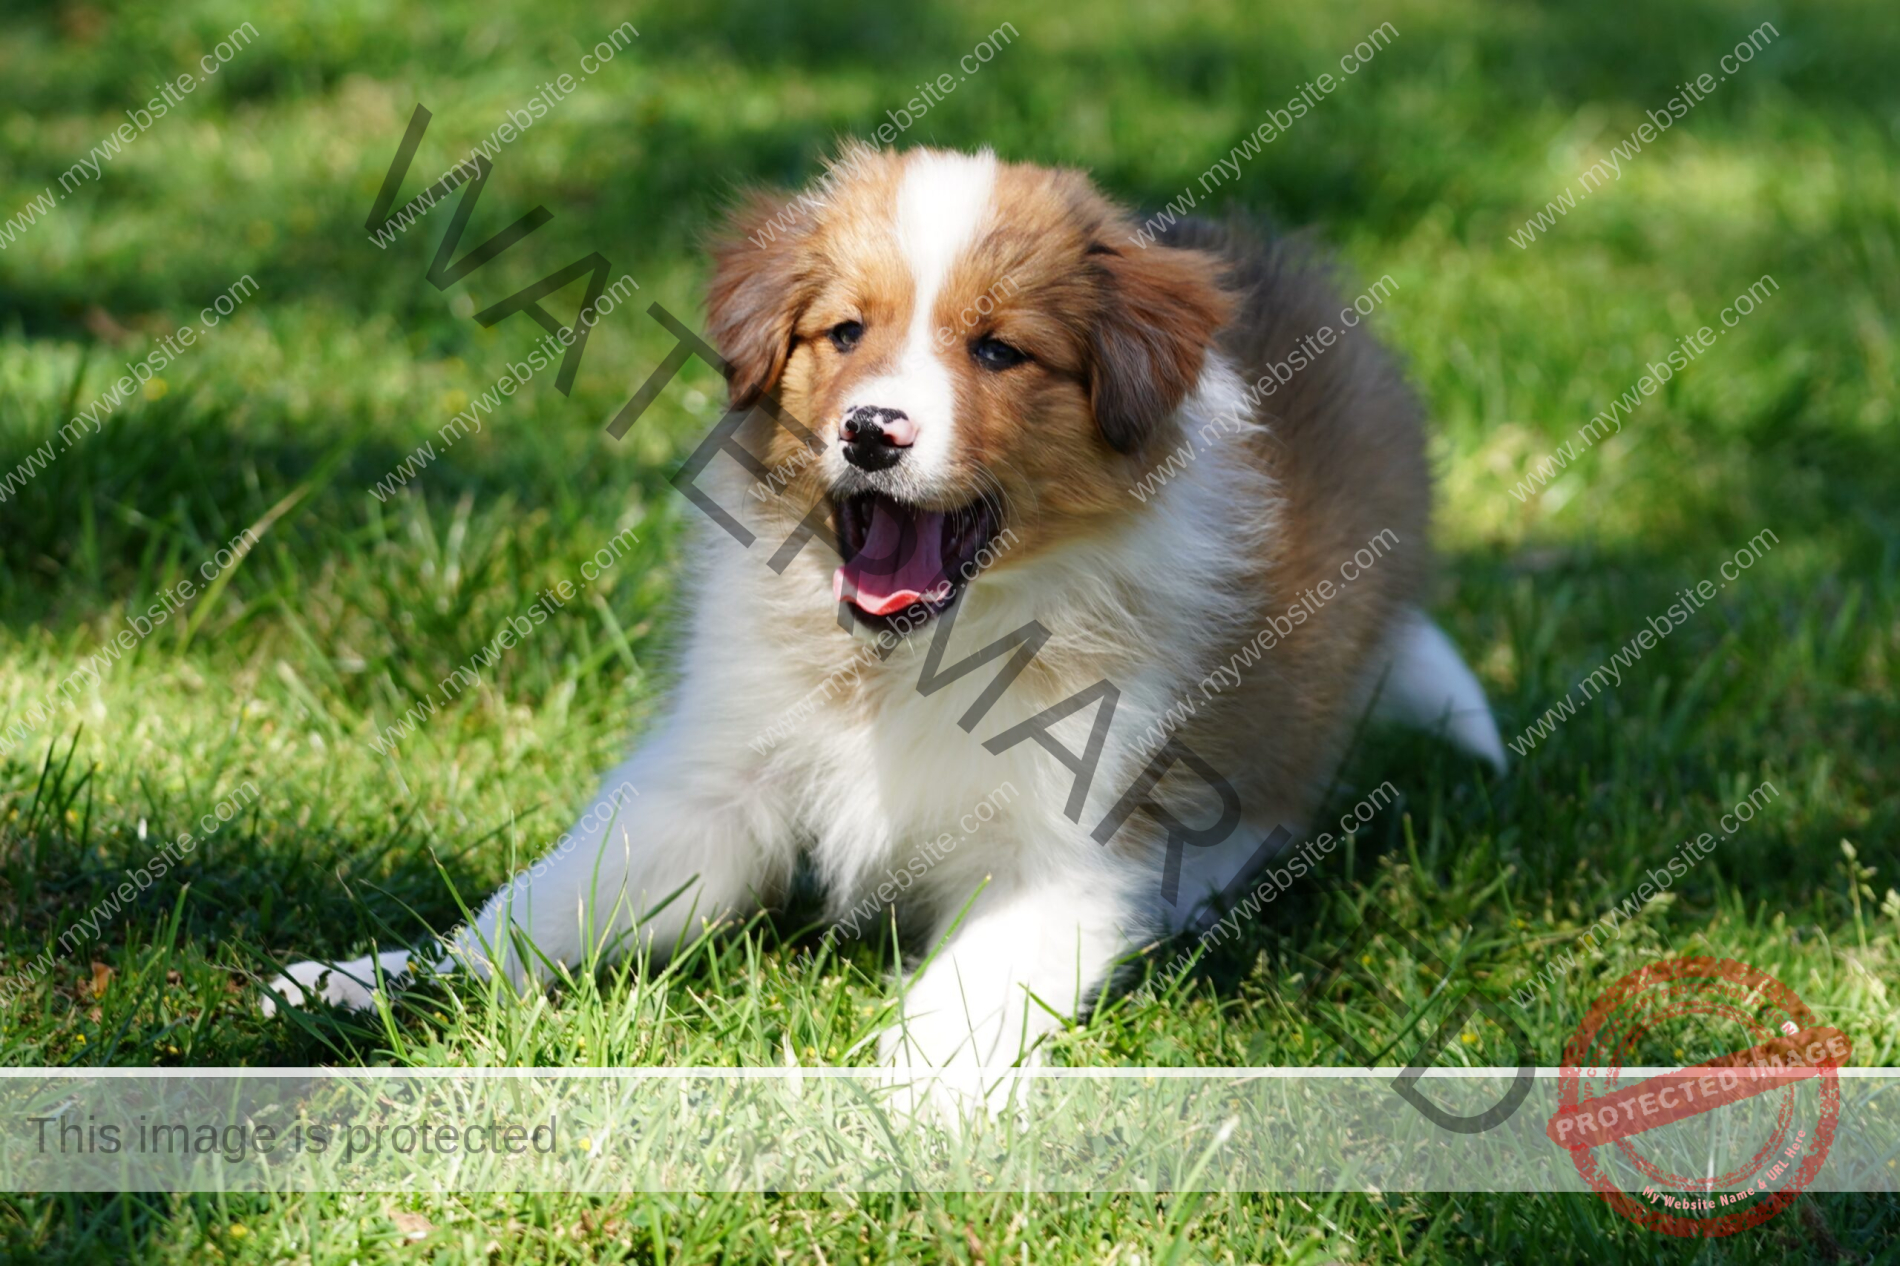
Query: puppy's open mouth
[{"x": 904, "y": 564}]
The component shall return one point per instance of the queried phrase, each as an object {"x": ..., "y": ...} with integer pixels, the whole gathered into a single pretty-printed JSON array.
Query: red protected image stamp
[{"x": 1767, "y": 1043}]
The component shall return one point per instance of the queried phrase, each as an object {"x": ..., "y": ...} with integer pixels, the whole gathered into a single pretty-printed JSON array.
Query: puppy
[{"x": 1026, "y": 503}]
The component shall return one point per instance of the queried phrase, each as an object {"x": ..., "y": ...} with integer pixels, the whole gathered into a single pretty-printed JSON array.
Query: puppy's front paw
[
  {"x": 936, "y": 1074},
  {"x": 349, "y": 984}
]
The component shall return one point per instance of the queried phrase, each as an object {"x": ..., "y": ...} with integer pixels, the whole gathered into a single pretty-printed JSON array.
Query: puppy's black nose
[{"x": 875, "y": 438}]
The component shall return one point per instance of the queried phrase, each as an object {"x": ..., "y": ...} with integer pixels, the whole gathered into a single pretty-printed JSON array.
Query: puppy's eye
[
  {"x": 845, "y": 335},
  {"x": 995, "y": 355}
]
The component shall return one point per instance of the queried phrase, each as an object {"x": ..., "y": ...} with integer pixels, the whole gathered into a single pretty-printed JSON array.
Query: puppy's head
[{"x": 986, "y": 355}]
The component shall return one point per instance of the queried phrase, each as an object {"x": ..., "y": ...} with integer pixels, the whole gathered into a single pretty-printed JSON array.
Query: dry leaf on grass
[{"x": 412, "y": 1225}]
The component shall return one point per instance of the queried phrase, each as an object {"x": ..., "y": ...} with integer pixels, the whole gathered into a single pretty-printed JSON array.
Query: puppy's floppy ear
[
  {"x": 761, "y": 281},
  {"x": 1160, "y": 309}
]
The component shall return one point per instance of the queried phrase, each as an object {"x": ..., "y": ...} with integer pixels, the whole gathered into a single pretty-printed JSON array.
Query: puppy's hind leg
[{"x": 671, "y": 840}]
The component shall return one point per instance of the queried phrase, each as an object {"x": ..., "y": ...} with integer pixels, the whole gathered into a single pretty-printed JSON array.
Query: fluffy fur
[{"x": 889, "y": 298}]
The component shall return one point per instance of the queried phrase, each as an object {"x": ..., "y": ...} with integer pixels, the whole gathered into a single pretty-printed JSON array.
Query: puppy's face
[{"x": 985, "y": 355}]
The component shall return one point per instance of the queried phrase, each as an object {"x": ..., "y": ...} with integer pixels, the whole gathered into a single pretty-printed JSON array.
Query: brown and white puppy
[{"x": 1074, "y": 498}]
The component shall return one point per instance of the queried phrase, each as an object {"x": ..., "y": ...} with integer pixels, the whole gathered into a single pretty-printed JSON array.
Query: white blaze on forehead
[{"x": 942, "y": 204}]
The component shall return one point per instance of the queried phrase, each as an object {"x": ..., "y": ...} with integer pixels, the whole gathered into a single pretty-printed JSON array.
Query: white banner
[{"x": 705, "y": 1129}]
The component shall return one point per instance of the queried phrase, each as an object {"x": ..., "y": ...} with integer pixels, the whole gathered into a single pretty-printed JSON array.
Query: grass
[{"x": 349, "y": 608}]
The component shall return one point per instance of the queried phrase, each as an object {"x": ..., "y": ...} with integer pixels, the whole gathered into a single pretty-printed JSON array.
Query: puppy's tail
[{"x": 1427, "y": 686}]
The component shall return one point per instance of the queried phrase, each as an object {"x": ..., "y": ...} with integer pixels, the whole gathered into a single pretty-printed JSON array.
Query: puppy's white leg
[
  {"x": 666, "y": 824},
  {"x": 1028, "y": 955},
  {"x": 1218, "y": 879},
  {"x": 350, "y": 984}
]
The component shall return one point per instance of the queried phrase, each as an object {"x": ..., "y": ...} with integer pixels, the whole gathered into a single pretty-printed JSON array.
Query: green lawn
[{"x": 349, "y": 608}]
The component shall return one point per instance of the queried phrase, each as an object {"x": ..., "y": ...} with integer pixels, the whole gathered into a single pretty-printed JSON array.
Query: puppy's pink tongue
[{"x": 901, "y": 562}]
